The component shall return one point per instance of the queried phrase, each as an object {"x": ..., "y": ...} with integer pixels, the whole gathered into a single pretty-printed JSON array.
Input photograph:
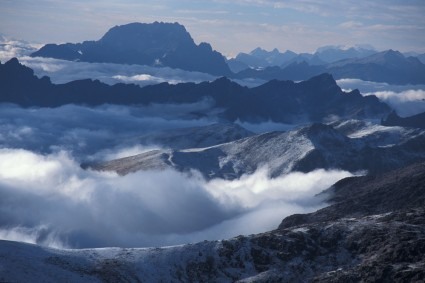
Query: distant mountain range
[
  {"x": 260, "y": 58},
  {"x": 316, "y": 99},
  {"x": 351, "y": 145},
  {"x": 388, "y": 66},
  {"x": 372, "y": 231},
  {"x": 169, "y": 44},
  {"x": 156, "y": 44}
]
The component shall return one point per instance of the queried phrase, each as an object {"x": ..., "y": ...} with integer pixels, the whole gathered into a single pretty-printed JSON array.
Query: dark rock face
[
  {"x": 376, "y": 194},
  {"x": 415, "y": 121},
  {"x": 279, "y": 101},
  {"x": 156, "y": 44}
]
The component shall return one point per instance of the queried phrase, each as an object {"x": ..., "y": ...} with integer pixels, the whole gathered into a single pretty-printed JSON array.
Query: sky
[{"x": 230, "y": 26}]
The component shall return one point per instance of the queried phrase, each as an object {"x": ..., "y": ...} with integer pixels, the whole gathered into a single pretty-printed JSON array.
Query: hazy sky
[{"x": 230, "y": 26}]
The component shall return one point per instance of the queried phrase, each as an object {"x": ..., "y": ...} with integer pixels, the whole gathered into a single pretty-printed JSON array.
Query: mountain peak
[
  {"x": 13, "y": 62},
  {"x": 142, "y": 35},
  {"x": 258, "y": 52},
  {"x": 144, "y": 44},
  {"x": 323, "y": 79},
  {"x": 13, "y": 66},
  {"x": 224, "y": 82},
  {"x": 393, "y": 53}
]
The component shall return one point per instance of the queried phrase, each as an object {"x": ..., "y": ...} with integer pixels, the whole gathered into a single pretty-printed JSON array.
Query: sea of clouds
[
  {"x": 50, "y": 200},
  {"x": 47, "y": 198}
]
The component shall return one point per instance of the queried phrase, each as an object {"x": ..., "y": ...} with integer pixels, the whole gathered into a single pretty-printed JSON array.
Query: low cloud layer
[
  {"x": 87, "y": 131},
  {"x": 407, "y": 100},
  {"x": 62, "y": 71},
  {"x": 406, "y": 103},
  {"x": 50, "y": 200},
  {"x": 10, "y": 48},
  {"x": 47, "y": 198}
]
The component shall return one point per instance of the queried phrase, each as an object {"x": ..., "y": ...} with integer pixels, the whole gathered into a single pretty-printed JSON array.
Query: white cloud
[
  {"x": 407, "y": 100},
  {"x": 406, "y": 103},
  {"x": 63, "y": 205},
  {"x": 87, "y": 131},
  {"x": 61, "y": 71},
  {"x": 46, "y": 198},
  {"x": 10, "y": 48}
]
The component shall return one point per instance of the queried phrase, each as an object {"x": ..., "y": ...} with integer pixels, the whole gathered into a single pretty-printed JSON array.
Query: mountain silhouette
[
  {"x": 156, "y": 44},
  {"x": 281, "y": 101}
]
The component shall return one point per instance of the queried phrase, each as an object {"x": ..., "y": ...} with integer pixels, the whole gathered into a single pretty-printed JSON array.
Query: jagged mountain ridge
[
  {"x": 167, "y": 44},
  {"x": 343, "y": 242},
  {"x": 156, "y": 44},
  {"x": 387, "y": 66},
  {"x": 305, "y": 149},
  {"x": 260, "y": 58},
  {"x": 279, "y": 101}
]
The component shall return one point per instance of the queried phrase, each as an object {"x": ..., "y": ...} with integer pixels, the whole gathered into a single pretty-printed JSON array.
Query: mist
[
  {"x": 87, "y": 131},
  {"x": 50, "y": 200}
]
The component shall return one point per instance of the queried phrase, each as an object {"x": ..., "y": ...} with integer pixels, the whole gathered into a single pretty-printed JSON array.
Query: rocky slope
[
  {"x": 369, "y": 147},
  {"x": 373, "y": 232},
  {"x": 156, "y": 44}
]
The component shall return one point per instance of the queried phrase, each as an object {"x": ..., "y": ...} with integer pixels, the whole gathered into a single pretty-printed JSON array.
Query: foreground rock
[{"x": 346, "y": 241}]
